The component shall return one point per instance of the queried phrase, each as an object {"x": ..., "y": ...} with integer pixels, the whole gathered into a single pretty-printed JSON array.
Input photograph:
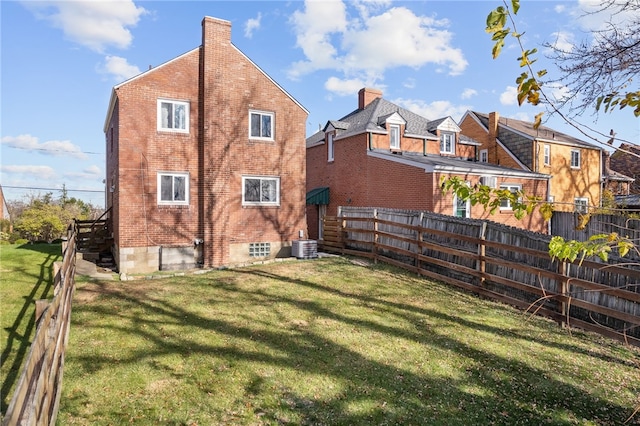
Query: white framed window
[
  {"x": 461, "y": 208},
  {"x": 173, "y": 116},
  {"x": 581, "y": 205},
  {"x": 575, "y": 158},
  {"x": 260, "y": 191},
  {"x": 484, "y": 155},
  {"x": 394, "y": 136},
  {"x": 506, "y": 204},
  {"x": 447, "y": 143},
  {"x": 261, "y": 125},
  {"x": 330, "y": 147},
  {"x": 173, "y": 188},
  {"x": 547, "y": 155}
]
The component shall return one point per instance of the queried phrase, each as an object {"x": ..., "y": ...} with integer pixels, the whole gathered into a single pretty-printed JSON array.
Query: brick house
[
  {"x": 577, "y": 168},
  {"x": 382, "y": 155},
  {"x": 626, "y": 161},
  {"x": 205, "y": 161}
]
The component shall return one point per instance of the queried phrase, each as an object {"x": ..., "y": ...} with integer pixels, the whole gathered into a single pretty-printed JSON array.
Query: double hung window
[
  {"x": 394, "y": 134},
  {"x": 447, "y": 143},
  {"x": 505, "y": 204},
  {"x": 575, "y": 158}
]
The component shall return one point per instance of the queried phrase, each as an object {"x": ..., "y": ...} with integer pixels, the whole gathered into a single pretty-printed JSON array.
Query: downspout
[{"x": 369, "y": 141}]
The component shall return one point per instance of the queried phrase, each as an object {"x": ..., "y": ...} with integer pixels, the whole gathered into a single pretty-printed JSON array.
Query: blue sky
[{"x": 60, "y": 60}]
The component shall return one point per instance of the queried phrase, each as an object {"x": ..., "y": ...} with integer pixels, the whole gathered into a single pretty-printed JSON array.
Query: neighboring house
[
  {"x": 626, "y": 160},
  {"x": 575, "y": 166},
  {"x": 616, "y": 183},
  {"x": 205, "y": 161},
  {"x": 382, "y": 155}
]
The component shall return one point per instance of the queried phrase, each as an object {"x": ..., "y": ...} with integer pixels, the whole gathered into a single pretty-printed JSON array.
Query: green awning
[{"x": 318, "y": 196}]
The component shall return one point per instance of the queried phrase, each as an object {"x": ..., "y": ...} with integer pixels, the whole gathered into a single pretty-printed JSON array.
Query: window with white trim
[
  {"x": 173, "y": 188},
  {"x": 260, "y": 191},
  {"x": 173, "y": 116},
  {"x": 261, "y": 125},
  {"x": 506, "y": 203},
  {"x": 575, "y": 158},
  {"x": 461, "y": 207},
  {"x": 330, "y": 147},
  {"x": 447, "y": 143},
  {"x": 581, "y": 205},
  {"x": 394, "y": 135},
  {"x": 547, "y": 155},
  {"x": 484, "y": 155}
]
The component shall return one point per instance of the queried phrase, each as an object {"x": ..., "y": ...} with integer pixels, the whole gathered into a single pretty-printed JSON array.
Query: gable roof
[
  {"x": 367, "y": 119},
  {"x": 508, "y": 126}
]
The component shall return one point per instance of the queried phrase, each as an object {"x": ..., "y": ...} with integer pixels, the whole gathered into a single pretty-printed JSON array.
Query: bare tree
[{"x": 599, "y": 71}]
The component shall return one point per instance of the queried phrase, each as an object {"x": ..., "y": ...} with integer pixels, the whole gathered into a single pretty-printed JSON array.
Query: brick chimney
[
  {"x": 494, "y": 117},
  {"x": 366, "y": 96}
]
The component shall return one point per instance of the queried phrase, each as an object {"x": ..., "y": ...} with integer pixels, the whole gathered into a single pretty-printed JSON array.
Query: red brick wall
[{"x": 221, "y": 85}]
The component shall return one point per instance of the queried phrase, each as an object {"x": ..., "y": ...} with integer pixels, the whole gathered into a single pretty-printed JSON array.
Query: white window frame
[
  {"x": 173, "y": 201},
  {"x": 513, "y": 187},
  {"x": 484, "y": 155},
  {"x": 261, "y": 202},
  {"x": 330, "y": 147},
  {"x": 575, "y": 155},
  {"x": 394, "y": 136},
  {"x": 581, "y": 205},
  {"x": 547, "y": 155},
  {"x": 450, "y": 139},
  {"x": 467, "y": 208},
  {"x": 272, "y": 117},
  {"x": 173, "y": 103}
]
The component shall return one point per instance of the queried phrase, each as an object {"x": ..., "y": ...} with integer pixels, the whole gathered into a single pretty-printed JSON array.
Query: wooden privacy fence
[
  {"x": 37, "y": 395},
  {"x": 500, "y": 262}
]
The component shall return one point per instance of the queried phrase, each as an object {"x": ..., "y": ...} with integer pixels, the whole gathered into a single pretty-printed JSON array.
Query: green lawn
[
  {"x": 26, "y": 273},
  {"x": 330, "y": 342}
]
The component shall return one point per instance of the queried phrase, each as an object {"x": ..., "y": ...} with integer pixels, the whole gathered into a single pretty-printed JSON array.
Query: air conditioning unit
[
  {"x": 304, "y": 249},
  {"x": 489, "y": 181}
]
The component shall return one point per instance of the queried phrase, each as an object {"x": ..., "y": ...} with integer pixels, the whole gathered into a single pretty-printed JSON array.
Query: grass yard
[
  {"x": 330, "y": 342},
  {"x": 26, "y": 273}
]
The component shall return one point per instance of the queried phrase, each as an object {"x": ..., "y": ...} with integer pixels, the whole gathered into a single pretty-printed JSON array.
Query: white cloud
[
  {"x": 559, "y": 8},
  {"x": 54, "y": 148},
  {"x": 509, "y": 96},
  {"x": 119, "y": 68},
  {"x": 433, "y": 110},
  {"x": 344, "y": 87},
  {"x": 251, "y": 25},
  {"x": 90, "y": 173},
  {"x": 41, "y": 173},
  {"x": 563, "y": 41},
  {"x": 367, "y": 45},
  {"x": 410, "y": 83},
  {"x": 93, "y": 24},
  {"x": 468, "y": 93}
]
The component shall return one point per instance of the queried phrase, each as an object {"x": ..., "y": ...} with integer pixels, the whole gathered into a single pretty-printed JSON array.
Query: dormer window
[
  {"x": 447, "y": 143},
  {"x": 394, "y": 134}
]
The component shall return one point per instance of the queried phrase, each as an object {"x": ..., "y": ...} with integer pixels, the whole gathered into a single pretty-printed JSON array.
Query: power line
[
  {"x": 55, "y": 150},
  {"x": 52, "y": 189}
]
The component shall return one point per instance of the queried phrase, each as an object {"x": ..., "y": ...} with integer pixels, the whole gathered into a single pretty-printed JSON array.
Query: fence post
[
  {"x": 563, "y": 270},
  {"x": 481, "y": 263},
  {"x": 374, "y": 249}
]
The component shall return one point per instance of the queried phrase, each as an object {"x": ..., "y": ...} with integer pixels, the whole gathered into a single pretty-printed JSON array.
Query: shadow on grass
[
  {"x": 488, "y": 389},
  {"x": 42, "y": 288}
]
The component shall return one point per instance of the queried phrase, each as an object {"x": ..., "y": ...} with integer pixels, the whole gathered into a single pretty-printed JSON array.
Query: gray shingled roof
[
  {"x": 366, "y": 120},
  {"x": 506, "y": 124}
]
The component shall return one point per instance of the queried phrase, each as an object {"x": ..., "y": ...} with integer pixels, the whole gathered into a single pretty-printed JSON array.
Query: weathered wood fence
[
  {"x": 500, "y": 262},
  {"x": 37, "y": 395}
]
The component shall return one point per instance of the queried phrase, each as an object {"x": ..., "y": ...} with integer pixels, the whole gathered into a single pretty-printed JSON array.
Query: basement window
[{"x": 259, "y": 249}]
